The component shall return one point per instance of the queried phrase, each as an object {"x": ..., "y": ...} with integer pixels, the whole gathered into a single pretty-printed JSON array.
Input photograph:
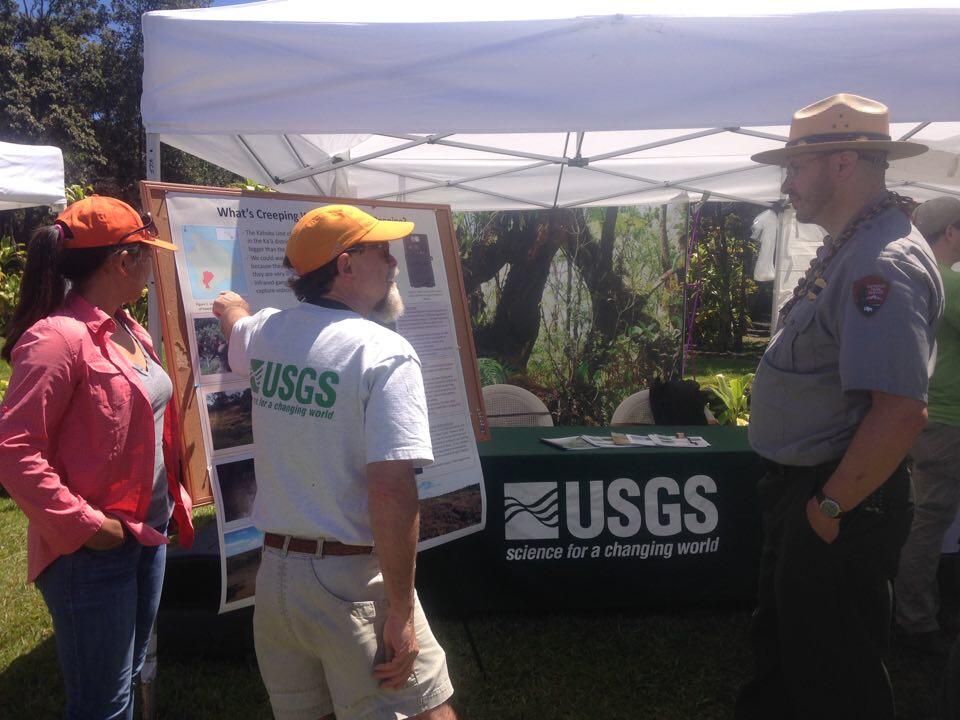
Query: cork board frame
[{"x": 173, "y": 321}]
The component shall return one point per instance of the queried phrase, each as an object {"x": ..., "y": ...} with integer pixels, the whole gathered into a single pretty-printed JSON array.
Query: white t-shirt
[{"x": 331, "y": 393}]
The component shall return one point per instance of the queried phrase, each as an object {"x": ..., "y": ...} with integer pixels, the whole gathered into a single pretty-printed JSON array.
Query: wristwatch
[{"x": 828, "y": 506}]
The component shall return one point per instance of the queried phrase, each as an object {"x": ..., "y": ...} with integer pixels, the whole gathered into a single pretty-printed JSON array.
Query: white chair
[
  {"x": 512, "y": 406},
  {"x": 634, "y": 410}
]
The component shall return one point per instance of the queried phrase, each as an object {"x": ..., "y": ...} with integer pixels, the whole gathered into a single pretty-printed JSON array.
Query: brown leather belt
[{"x": 320, "y": 548}]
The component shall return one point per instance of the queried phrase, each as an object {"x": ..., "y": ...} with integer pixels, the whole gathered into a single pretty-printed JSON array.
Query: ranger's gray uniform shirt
[{"x": 872, "y": 328}]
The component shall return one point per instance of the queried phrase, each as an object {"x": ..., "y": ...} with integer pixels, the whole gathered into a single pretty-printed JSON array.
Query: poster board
[{"x": 233, "y": 239}]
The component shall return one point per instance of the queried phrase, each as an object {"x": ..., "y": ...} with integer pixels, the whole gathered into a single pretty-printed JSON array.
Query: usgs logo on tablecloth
[{"x": 661, "y": 506}]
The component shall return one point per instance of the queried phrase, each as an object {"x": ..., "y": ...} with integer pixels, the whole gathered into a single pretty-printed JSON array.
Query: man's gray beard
[{"x": 390, "y": 308}]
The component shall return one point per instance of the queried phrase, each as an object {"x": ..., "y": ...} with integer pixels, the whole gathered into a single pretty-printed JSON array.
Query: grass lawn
[
  {"x": 566, "y": 665},
  {"x": 705, "y": 366}
]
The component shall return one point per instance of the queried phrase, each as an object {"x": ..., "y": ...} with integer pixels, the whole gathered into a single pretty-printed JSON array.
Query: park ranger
[{"x": 838, "y": 399}]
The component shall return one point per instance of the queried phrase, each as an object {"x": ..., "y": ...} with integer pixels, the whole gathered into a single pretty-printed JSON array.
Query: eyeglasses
[
  {"x": 382, "y": 247},
  {"x": 794, "y": 168},
  {"x": 149, "y": 227}
]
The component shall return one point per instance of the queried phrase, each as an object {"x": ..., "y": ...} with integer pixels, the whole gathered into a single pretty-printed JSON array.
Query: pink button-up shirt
[{"x": 77, "y": 436}]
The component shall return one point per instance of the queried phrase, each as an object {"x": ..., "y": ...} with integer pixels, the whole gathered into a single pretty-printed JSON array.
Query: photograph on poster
[
  {"x": 211, "y": 346},
  {"x": 419, "y": 261},
  {"x": 237, "y": 483},
  {"x": 242, "y": 550},
  {"x": 451, "y": 512},
  {"x": 229, "y": 415}
]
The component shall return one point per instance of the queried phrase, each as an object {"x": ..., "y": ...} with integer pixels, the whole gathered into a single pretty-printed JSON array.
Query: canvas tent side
[
  {"x": 499, "y": 106},
  {"x": 31, "y": 175}
]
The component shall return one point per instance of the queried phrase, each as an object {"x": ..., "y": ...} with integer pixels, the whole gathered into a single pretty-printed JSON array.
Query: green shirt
[{"x": 944, "y": 396}]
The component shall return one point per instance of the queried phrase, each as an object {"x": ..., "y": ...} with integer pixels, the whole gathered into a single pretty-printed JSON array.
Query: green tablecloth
[{"x": 605, "y": 528}]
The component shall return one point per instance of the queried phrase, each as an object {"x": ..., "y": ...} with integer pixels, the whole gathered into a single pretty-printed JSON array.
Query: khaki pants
[{"x": 318, "y": 625}]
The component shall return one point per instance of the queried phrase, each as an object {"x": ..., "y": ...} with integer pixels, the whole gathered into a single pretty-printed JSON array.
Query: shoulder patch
[{"x": 869, "y": 293}]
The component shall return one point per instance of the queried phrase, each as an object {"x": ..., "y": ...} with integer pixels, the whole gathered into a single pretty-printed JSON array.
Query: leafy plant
[
  {"x": 139, "y": 309},
  {"x": 250, "y": 186},
  {"x": 77, "y": 192},
  {"x": 731, "y": 403},
  {"x": 491, "y": 372},
  {"x": 720, "y": 270},
  {"x": 12, "y": 258}
]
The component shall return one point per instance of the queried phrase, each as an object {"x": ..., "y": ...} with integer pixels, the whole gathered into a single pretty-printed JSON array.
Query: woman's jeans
[{"x": 103, "y": 604}]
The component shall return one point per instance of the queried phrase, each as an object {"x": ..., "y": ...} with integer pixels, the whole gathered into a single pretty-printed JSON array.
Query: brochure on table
[{"x": 625, "y": 440}]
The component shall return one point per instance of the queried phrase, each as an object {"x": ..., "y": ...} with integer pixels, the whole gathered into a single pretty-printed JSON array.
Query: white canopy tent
[
  {"x": 31, "y": 175},
  {"x": 506, "y": 105},
  {"x": 503, "y": 104}
]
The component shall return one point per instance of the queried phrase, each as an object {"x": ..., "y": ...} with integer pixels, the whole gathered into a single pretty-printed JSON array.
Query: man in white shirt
[{"x": 340, "y": 422}]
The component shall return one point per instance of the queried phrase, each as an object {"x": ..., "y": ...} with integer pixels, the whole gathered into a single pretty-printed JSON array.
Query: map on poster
[
  {"x": 213, "y": 266},
  {"x": 234, "y": 242}
]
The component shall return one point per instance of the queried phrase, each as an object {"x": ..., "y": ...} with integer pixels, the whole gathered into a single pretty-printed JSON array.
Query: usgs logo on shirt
[
  {"x": 661, "y": 506},
  {"x": 291, "y": 383}
]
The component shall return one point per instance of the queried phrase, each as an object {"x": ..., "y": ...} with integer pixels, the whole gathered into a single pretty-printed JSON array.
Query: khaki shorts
[{"x": 318, "y": 626}]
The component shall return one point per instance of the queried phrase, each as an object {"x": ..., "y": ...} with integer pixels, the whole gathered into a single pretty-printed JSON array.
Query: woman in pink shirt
[{"x": 89, "y": 447}]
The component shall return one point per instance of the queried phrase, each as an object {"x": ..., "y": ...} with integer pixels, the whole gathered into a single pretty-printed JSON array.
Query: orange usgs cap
[
  {"x": 322, "y": 234},
  {"x": 99, "y": 221}
]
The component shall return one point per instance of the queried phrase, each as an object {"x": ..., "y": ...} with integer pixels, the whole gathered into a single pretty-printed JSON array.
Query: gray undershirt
[{"x": 159, "y": 390}]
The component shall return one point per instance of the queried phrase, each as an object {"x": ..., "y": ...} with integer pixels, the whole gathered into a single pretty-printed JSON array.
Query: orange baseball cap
[
  {"x": 322, "y": 234},
  {"x": 98, "y": 221}
]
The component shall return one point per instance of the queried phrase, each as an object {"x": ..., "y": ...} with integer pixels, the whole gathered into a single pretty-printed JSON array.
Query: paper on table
[
  {"x": 628, "y": 440},
  {"x": 575, "y": 442},
  {"x": 690, "y": 441}
]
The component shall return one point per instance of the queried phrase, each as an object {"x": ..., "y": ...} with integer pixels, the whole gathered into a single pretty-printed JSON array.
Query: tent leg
[
  {"x": 153, "y": 309},
  {"x": 147, "y": 687},
  {"x": 473, "y": 647}
]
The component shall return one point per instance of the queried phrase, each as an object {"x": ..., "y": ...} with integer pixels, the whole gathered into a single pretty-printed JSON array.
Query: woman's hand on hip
[{"x": 110, "y": 535}]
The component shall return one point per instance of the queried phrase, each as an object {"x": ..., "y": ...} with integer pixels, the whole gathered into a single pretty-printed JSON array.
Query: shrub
[{"x": 731, "y": 404}]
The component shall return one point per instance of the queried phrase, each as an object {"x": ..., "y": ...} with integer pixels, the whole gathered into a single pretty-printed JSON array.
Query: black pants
[{"x": 822, "y": 625}]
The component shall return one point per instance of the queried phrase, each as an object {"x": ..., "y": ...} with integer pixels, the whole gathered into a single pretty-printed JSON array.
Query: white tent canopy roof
[
  {"x": 30, "y": 175},
  {"x": 513, "y": 105}
]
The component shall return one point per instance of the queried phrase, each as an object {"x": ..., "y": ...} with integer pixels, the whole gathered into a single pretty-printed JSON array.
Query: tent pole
[
  {"x": 256, "y": 158},
  {"x": 153, "y": 310},
  {"x": 148, "y": 688},
  {"x": 681, "y": 359},
  {"x": 779, "y": 254},
  {"x": 336, "y": 163},
  {"x": 299, "y": 158}
]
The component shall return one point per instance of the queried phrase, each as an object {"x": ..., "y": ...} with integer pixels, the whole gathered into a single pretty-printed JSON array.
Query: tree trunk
[{"x": 528, "y": 244}]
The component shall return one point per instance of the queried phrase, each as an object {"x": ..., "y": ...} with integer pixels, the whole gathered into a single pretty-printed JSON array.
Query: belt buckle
[{"x": 319, "y": 552}]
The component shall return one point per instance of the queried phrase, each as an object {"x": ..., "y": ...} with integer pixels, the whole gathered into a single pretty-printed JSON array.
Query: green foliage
[
  {"x": 70, "y": 76},
  {"x": 12, "y": 258},
  {"x": 577, "y": 388},
  {"x": 721, "y": 265},
  {"x": 731, "y": 405},
  {"x": 78, "y": 191},
  {"x": 51, "y": 80},
  {"x": 140, "y": 309},
  {"x": 181, "y": 167},
  {"x": 491, "y": 372},
  {"x": 250, "y": 186}
]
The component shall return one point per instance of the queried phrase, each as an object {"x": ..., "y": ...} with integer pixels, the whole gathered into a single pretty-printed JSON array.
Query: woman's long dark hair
[{"x": 44, "y": 283}]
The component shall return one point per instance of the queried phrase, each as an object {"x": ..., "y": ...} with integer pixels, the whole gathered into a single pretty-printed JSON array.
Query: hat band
[{"x": 838, "y": 137}]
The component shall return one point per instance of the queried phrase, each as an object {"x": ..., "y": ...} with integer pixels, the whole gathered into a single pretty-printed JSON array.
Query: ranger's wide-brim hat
[{"x": 841, "y": 122}]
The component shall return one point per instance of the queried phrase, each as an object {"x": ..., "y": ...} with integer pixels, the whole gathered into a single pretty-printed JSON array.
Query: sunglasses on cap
[{"x": 149, "y": 227}]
